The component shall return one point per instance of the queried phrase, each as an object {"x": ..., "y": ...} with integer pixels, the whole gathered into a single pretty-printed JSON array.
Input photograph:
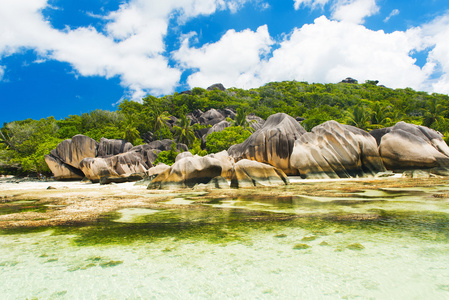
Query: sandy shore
[{"x": 33, "y": 204}]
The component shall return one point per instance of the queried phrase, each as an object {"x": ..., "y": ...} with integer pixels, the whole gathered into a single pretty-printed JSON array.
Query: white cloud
[
  {"x": 132, "y": 48},
  {"x": 325, "y": 51},
  {"x": 310, "y": 3},
  {"x": 2, "y": 72},
  {"x": 393, "y": 13},
  {"x": 328, "y": 51},
  {"x": 435, "y": 36},
  {"x": 233, "y": 60},
  {"x": 354, "y": 11}
]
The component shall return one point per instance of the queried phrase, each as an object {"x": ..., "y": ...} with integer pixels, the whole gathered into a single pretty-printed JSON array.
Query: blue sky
[{"x": 62, "y": 57}]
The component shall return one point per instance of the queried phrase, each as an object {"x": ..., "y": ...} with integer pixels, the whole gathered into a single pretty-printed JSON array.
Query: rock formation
[
  {"x": 272, "y": 144},
  {"x": 249, "y": 173},
  {"x": 408, "y": 146},
  {"x": 117, "y": 166},
  {"x": 61, "y": 170},
  {"x": 187, "y": 172},
  {"x": 74, "y": 150},
  {"x": 211, "y": 117},
  {"x": 112, "y": 147},
  {"x": 333, "y": 150},
  {"x": 226, "y": 162}
]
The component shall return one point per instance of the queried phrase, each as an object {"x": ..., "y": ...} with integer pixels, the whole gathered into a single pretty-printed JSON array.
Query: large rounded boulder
[
  {"x": 187, "y": 172},
  {"x": 407, "y": 146},
  {"x": 74, "y": 150},
  {"x": 250, "y": 173},
  {"x": 62, "y": 171},
  {"x": 227, "y": 163},
  {"x": 272, "y": 144},
  {"x": 333, "y": 150}
]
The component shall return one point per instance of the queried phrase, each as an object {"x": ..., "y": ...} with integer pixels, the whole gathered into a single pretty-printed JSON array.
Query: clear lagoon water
[{"x": 378, "y": 244}]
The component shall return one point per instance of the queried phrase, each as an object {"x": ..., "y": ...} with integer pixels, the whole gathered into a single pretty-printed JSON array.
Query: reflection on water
[{"x": 382, "y": 244}]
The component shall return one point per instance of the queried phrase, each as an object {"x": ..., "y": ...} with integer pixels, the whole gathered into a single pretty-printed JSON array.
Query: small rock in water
[
  {"x": 309, "y": 238},
  {"x": 301, "y": 246},
  {"x": 282, "y": 235},
  {"x": 355, "y": 246},
  {"x": 324, "y": 243}
]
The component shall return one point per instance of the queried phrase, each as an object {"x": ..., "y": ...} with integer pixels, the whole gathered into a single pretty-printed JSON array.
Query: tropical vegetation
[{"x": 24, "y": 143}]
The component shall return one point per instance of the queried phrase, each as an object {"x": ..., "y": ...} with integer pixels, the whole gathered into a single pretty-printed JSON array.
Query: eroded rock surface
[
  {"x": 407, "y": 146},
  {"x": 333, "y": 150},
  {"x": 250, "y": 173},
  {"x": 112, "y": 147},
  {"x": 74, "y": 150},
  {"x": 116, "y": 166},
  {"x": 63, "y": 171},
  {"x": 187, "y": 172},
  {"x": 227, "y": 163},
  {"x": 272, "y": 144}
]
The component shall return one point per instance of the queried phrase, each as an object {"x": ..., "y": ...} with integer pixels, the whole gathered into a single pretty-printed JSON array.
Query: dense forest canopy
[{"x": 24, "y": 143}]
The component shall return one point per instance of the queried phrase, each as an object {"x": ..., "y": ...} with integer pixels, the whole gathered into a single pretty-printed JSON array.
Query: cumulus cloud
[
  {"x": 350, "y": 50},
  {"x": 354, "y": 11},
  {"x": 132, "y": 47},
  {"x": 325, "y": 51},
  {"x": 435, "y": 36},
  {"x": 233, "y": 60}
]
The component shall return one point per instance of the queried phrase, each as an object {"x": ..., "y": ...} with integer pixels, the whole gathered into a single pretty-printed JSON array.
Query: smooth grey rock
[{"x": 272, "y": 144}]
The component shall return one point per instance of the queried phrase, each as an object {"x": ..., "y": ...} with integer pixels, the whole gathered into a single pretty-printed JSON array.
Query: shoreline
[{"x": 29, "y": 204}]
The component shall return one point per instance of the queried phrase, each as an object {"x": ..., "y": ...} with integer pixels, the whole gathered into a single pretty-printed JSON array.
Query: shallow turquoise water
[{"x": 375, "y": 245}]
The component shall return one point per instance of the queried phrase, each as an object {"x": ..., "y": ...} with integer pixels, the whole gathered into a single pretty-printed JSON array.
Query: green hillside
[{"x": 23, "y": 143}]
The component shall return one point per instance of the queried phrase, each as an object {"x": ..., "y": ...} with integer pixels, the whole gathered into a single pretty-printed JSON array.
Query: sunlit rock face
[
  {"x": 65, "y": 159},
  {"x": 61, "y": 170},
  {"x": 407, "y": 146},
  {"x": 187, "y": 172},
  {"x": 227, "y": 163},
  {"x": 116, "y": 166},
  {"x": 333, "y": 150},
  {"x": 250, "y": 173},
  {"x": 272, "y": 144},
  {"x": 74, "y": 150},
  {"x": 112, "y": 147}
]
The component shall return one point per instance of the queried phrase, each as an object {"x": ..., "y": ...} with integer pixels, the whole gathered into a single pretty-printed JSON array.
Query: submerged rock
[
  {"x": 333, "y": 150},
  {"x": 250, "y": 173},
  {"x": 272, "y": 144}
]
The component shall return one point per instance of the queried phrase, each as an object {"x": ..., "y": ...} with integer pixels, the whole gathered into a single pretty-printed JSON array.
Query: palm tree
[
  {"x": 434, "y": 114},
  {"x": 360, "y": 117},
  {"x": 183, "y": 131},
  {"x": 160, "y": 121},
  {"x": 130, "y": 133},
  {"x": 240, "y": 120},
  {"x": 379, "y": 116}
]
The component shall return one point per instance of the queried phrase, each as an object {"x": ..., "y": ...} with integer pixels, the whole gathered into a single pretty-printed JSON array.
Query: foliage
[
  {"x": 367, "y": 105},
  {"x": 184, "y": 132},
  {"x": 222, "y": 140},
  {"x": 167, "y": 157}
]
